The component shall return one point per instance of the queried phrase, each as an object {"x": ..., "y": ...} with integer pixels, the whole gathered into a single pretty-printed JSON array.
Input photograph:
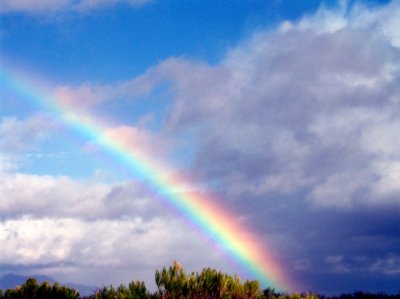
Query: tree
[
  {"x": 174, "y": 283},
  {"x": 270, "y": 293},
  {"x": 44, "y": 291},
  {"x": 137, "y": 290},
  {"x": 29, "y": 289}
]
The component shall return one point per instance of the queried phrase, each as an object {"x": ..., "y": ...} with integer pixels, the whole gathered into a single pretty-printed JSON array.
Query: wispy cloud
[
  {"x": 389, "y": 265},
  {"x": 60, "y": 6},
  {"x": 18, "y": 135}
]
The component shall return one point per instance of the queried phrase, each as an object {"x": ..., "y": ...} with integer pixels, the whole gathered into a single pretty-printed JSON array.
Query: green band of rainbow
[{"x": 203, "y": 211}]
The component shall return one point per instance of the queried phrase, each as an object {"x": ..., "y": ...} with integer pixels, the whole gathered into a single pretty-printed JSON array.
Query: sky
[{"x": 285, "y": 114}]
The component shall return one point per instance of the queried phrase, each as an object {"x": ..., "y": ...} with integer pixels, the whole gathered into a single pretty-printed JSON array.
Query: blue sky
[
  {"x": 76, "y": 44},
  {"x": 288, "y": 111}
]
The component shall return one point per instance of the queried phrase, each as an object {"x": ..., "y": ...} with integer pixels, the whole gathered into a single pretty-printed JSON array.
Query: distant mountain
[
  {"x": 84, "y": 290},
  {"x": 10, "y": 281}
]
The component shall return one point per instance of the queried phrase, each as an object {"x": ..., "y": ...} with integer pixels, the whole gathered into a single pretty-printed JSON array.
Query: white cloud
[
  {"x": 93, "y": 94},
  {"x": 342, "y": 190},
  {"x": 33, "y": 7},
  {"x": 85, "y": 5},
  {"x": 7, "y": 163},
  {"x": 56, "y": 6},
  {"x": 83, "y": 96},
  {"x": 387, "y": 185},
  {"x": 328, "y": 20},
  {"x": 311, "y": 107},
  {"x": 53, "y": 221},
  {"x": 384, "y": 18},
  {"x": 18, "y": 135},
  {"x": 47, "y": 196},
  {"x": 101, "y": 243},
  {"x": 44, "y": 196},
  {"x": 142, "y": 141}
]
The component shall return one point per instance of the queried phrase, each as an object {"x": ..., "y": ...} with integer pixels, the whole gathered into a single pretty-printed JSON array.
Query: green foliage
[
  {"x": 175, "y": 283},
  {"x": 29, "y": 288},
  {"x": 135, "y": 290},
  {"x": 32, "y": 290},
  {"x": 172, "y": 282},
  {"x": 138, "y": 290},
  {"x": 270, "y": 293}
]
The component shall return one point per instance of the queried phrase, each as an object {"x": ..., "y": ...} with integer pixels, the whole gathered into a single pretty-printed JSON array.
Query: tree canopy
[{"x": 174, "y": 283}]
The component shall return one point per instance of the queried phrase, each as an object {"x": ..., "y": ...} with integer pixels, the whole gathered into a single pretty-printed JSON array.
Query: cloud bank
[{"x": 312, "y": 106}]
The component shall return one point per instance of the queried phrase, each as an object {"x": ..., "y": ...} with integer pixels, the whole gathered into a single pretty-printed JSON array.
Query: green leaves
[
  {"x": 32, "y": 290},
  {"x": 174, "y": 283},
  {"x": 135, "y": 290}
]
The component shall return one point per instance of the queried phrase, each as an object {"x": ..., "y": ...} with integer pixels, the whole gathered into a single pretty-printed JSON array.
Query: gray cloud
[
  {"x": 297, "y": 130},
  {"x": 102, "y": 243},
  {"x": 47, "y": 196},
  {"x": 311, "y": 106}
]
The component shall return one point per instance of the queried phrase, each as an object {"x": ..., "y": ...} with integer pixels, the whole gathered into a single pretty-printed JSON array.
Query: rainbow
[{"x": 214, "y": 220}]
